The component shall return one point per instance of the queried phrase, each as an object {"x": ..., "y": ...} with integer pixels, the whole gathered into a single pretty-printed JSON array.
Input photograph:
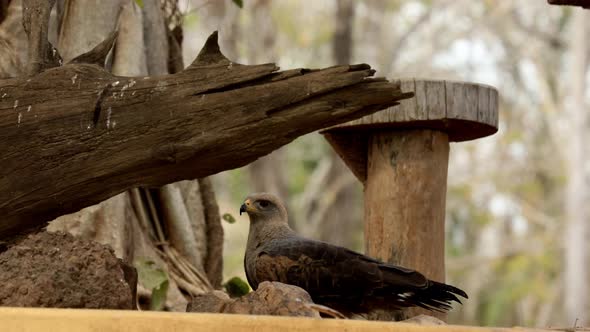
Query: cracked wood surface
[{"x": 75, "y": 135}]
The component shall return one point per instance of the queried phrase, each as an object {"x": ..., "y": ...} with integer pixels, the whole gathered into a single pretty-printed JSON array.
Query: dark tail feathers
[{"x": 437, "y": 296}]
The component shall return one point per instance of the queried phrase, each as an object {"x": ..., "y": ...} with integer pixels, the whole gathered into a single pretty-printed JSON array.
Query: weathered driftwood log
[{"x": 75, "y": 135}]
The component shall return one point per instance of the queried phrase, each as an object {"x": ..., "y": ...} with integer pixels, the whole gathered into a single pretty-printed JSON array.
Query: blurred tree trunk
[
  {"x": 266, "y": 174},
  {"x": 340, "y": 221},
  {"x": 222, "y": 16},
  {"x": 13, "y": 40},
  {"x": 342, "y": 42},
  {"x": 576, "y": 232},
  {"x": 176, "y": 226}
]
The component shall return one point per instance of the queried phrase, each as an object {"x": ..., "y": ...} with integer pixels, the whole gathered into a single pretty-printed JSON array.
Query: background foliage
[{"x": 506, "y": 208}]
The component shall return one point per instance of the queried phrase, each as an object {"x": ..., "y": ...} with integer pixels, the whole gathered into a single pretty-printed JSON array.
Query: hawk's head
[{"x": 264, "y": 206}]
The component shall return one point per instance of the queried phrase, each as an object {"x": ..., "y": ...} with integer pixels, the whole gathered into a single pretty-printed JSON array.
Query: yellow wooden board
[{"x": 78, "y": 320}]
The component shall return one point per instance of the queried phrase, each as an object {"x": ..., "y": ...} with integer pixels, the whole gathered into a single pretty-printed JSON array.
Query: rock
[
  {"x": 271, "y": 298},
  {"x": 61, "y": 271},
  {"x": 424, "y": 320},
  {"x": 212, "y": 302}
]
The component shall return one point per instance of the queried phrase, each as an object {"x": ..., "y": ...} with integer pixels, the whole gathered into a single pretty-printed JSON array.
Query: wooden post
[
  {"x": 405, "y": 199},
  {"x": 405, "y": 196},
  {"x": 401, "y": 155}
]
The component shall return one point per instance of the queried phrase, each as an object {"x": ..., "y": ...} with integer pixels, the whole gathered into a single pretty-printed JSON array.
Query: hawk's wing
[{"x": 335, "y": 274}]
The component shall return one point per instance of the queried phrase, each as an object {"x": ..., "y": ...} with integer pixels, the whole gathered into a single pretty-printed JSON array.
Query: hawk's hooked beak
[{"x": 247, "y": 206}]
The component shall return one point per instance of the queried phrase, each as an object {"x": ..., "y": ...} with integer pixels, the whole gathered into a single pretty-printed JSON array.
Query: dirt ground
[{"x": 60, "y": 271}]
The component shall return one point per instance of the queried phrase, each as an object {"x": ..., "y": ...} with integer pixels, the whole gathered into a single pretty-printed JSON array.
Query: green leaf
[
  {"x": 229, "y": 218},
  {"x": 154, "y": 278},
  {"x": 236, "y": 287},
  {"x": 139, "y": 3},
  {"x": 159, "y": 294},
  {"x": 239, "y": 3}
]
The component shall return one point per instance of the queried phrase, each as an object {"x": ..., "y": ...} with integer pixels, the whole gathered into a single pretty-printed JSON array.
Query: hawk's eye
[{"x": 263, "y": 204}]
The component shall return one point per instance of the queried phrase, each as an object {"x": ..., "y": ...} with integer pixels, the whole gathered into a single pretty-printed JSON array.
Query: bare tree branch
[
  {"x": 42, "y": 55},
  {"x": 98, "y": 54},
  {"x": 214, "y": 260}
]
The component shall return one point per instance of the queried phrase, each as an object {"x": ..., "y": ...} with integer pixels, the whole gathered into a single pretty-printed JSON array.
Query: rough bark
[
  {"x": 90, "y": 134},
  {"x": 405, "y": 201}
]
